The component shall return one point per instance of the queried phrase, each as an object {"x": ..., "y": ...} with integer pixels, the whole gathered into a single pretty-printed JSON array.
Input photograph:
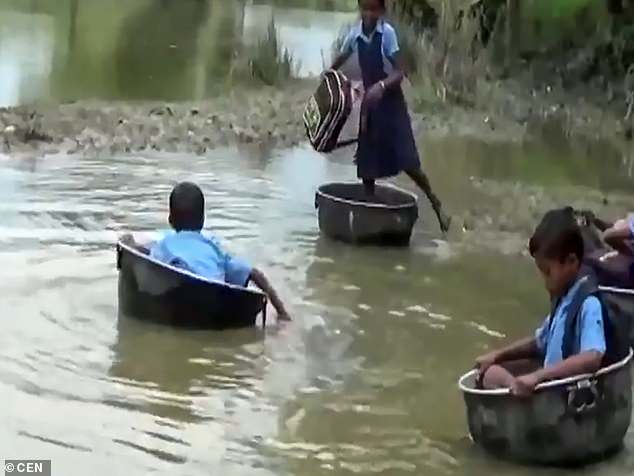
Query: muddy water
[
  {"x": 362, "y": 382},
  {"x": 147, "y": 49}
]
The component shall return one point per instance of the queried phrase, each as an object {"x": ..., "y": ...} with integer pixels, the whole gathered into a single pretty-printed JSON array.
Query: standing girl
[{"x": 386, "y": 141}]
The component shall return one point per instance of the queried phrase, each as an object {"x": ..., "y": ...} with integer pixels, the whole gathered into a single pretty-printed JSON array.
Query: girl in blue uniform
[{"x": 386, "y": 141}]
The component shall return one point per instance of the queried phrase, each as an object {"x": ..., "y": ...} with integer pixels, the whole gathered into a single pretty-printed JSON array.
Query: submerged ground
[{"x": 364, "y": 380}]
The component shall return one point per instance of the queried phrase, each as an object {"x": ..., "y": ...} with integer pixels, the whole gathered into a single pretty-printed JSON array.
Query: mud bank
[
  {"x": 266, "y": 118},
  {"x": 271, "y": 117},
  {"x": 505, "y": 213}
]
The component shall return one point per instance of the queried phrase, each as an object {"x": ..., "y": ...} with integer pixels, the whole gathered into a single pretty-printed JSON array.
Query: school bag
[
  {"x": 609, "y": 268},
  {"x": 327, "y": 111},
  {"x": 616, "y": 322}
]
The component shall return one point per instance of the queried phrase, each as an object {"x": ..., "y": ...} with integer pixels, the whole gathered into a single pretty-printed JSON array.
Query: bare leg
[
  {"x": 368, "y": 185},
  {"x": 420, "y": 178},
  {"x": 502, "y": 376},
  {"x": 497, "y": 376}
]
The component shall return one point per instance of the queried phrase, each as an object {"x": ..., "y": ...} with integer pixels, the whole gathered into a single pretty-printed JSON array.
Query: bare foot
[
  {"x": 444, "y": 221},
  {"x": 284, "y": 316}
]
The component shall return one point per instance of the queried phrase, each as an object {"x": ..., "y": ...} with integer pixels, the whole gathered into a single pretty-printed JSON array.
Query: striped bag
[{"x": 327, "y": 111}]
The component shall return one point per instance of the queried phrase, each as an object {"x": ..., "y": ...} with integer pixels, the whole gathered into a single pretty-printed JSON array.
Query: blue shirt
[
  {"x": 200, "y": 255},
  {"x": 550, "y": 335},
  {"x": 389, "y": 39}
]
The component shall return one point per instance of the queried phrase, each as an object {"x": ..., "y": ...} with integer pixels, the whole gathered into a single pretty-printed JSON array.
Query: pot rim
[
  {"x": 615, "y": 290},
  {"x": 546, "y": 385},
  {"x": 334, "y": 198},
  {"x": 184, "y": 272}
]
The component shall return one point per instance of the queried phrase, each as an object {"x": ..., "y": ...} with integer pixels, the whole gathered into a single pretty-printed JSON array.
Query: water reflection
[
  {"x": 168, "y": 371},
  {"x": 146, "y": 49},
  {"x": 308, "y": 36},
  {"x": 546, "y": 159},
  {"x": 408, "y": 313},
  {"x": 364, "y": 380},
  {"x": 26, "y": 56}
]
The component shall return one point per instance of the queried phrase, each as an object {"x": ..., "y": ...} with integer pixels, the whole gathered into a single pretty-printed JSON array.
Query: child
[
  {"x": 563, "y": 351},
  {"x": 190, "y": 250},
  {"x": 386, "y": 141}
]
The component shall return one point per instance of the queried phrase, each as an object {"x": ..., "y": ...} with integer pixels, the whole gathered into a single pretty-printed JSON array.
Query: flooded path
[{"x": 363, "y": 382}]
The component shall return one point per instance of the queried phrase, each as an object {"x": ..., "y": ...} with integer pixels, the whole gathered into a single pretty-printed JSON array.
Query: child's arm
[
  {"x": 587, "y": 361},
  {"x": 377, "y": 90},
  {"x": 263, "y": 283},
  {"x": 523, "y": 349},
  {"x": 391, "y": 51},
  {"x": 528, "y": 348},
  {"x": 398, "y": 72},
  {"x": 346, "y": 51},
  {"x": 341, "y": 58},
  {"x": 584, "y": 363}
]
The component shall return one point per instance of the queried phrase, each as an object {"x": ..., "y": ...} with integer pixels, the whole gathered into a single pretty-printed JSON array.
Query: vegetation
[
  {"x": 460, "y": 51},
  {"x": 329, "y": 5},
  {"x": 267, "y": 62}
]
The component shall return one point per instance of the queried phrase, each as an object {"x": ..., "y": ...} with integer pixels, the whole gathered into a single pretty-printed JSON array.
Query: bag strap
[{"x": 587, "y": 287}]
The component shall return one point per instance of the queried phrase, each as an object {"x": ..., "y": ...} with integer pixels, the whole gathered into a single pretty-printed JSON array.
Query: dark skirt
[{"x": 388, "y": 146}]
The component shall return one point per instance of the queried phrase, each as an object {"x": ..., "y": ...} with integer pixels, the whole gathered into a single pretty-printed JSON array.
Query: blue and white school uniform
[
  {"x": 387, "y": 147},
  {"x": 201, "y": 255},
  {"x": 589, "y": 331}
]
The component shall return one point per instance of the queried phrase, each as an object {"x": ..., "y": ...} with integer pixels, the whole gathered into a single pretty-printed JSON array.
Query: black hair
[
  {"x": 557, "y": 236},
  {"x": 381, "y": 2},
  {"x": 187, "y": 207}
]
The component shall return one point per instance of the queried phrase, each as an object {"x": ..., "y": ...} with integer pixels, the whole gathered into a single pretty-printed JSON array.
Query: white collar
[{"x": 358, "y": 30}]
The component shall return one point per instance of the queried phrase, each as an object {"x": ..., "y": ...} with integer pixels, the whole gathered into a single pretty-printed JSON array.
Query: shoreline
[{"x": 268, "y": 117}]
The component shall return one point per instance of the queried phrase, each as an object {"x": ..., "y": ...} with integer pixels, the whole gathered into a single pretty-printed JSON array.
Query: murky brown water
[{"x": 362, "y": 382}]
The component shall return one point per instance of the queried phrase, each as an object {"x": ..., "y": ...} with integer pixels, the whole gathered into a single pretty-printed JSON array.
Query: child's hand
[
  {"x": 485, "y": 361},
  {"x": 127, "y": 238},
  {"x": 524, "y": 386},
  {"x": 374, "y": 95}
]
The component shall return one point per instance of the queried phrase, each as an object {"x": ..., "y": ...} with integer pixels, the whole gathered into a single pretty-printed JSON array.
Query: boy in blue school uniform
[
  {"x": 572, "y": 339},
  {"x": 386, "y": 140},
  {"x": 189, "y": 249}
]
